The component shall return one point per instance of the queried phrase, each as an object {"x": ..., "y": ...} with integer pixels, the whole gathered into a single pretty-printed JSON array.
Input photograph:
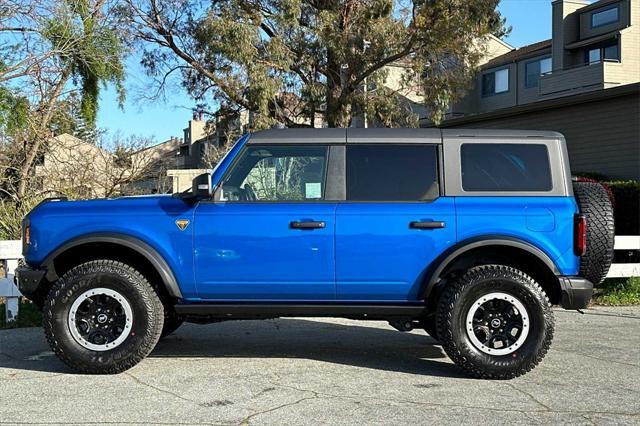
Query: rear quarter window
[{"x": 497, "y": 167}]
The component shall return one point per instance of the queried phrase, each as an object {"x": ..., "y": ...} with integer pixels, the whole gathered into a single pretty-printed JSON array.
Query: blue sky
[{"x": 161, "y": 119}]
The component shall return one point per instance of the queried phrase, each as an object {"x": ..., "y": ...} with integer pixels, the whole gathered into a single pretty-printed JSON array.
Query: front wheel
[
  {"x": 102, "y": 317},
  {"x": 495, "y": 322}
]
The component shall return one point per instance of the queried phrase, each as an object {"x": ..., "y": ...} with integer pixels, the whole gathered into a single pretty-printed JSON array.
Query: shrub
[
  {"x": 11, "y": 215},
  {"x": 619, "y": 291},
  {"x": 625, "y": 197},
  {"x": 627, "y": 206}
]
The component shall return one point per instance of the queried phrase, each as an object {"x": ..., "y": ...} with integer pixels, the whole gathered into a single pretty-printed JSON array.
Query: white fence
[{"x": 10, "y": 254}]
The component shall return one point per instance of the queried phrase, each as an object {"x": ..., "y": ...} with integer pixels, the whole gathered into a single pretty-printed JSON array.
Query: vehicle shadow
[
  {"x": 348, "y": 342},
  {"x": 358, "y": 344}
]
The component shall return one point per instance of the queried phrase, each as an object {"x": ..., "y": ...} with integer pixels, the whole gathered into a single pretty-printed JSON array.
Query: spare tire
[{"x": 595, "y": 204}]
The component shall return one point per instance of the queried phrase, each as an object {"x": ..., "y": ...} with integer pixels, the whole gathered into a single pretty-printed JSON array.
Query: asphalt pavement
[{"x": 319, "y": 371}]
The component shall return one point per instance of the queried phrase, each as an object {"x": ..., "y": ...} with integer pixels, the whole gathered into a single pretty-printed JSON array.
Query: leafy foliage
[
  {"x": 56, "y": 57},
  {"x": 292, "y": 61},
  {"x": 91, "y": 49},
  {"x": 619, "y": 292},
  {"x": 28, "y": 316}
]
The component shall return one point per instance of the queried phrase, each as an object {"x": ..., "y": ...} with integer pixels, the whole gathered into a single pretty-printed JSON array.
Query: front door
[
  {"x": 393, "y": 224},
  {"x": 270, "y": 236}
]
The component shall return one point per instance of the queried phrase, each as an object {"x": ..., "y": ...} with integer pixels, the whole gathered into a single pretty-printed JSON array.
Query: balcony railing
[{"x": 581, "y": 78}]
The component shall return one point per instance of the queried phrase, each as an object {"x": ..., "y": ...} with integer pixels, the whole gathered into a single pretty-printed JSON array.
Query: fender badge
[{"x": 182, "y": 224}]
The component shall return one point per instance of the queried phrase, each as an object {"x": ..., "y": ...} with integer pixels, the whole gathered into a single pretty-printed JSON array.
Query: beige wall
[
  {"x": 74, "y": 166},
  {"x": 630, "y": 45},
  {"x": 183, "y": 178}
]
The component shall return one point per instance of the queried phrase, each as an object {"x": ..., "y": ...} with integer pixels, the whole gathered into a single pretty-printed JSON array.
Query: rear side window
[
  {"x": 505, "y": 167},
  {"x": 392, "y": 172}
]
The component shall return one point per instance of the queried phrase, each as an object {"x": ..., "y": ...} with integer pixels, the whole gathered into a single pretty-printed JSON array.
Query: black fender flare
[
  {"x": 440, "y": 264},
  {"x": 144, "y": 249}
]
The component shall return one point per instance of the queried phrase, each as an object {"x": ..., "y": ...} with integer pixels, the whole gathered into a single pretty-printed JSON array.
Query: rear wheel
[
  {"x": 495, "y": 322},
  {"x": 102, "y": 317}
]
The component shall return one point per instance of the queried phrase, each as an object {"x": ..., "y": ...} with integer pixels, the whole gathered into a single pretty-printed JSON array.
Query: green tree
[
  {"x": 290, "y": 61},
  {"x": 51, "y": 52}
]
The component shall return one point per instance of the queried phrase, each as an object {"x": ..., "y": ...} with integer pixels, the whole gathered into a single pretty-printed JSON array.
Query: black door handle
[
  {"x": 308, "y": 224},
  {"x": 426, "y": 225}
]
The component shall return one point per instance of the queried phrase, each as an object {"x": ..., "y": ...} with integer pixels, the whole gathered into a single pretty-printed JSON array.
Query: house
[
  {"x": 583, "y": 82},
  {"x": 72, "y": 166}
]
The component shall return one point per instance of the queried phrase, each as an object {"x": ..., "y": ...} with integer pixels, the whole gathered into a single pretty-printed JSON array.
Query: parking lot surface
[{"x": 321, "y": 371}]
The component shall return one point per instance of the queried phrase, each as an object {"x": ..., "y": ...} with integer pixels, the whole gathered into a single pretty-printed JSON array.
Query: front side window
[
  {"x": 392, "y": 172},
  {"x": 534, "y": 69},
  {"x": 277, "y": 173},
  {"x": 605, "y": 17},
  {"x": 495, "y": 82},
  {"x": 498, "y": 167}
]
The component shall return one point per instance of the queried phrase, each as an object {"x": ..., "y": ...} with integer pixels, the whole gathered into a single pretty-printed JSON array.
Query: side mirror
[{"x": 201, "y": 186}]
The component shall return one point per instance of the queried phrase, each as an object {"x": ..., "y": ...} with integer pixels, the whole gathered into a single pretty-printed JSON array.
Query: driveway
[{"x": 318, "y": 371}]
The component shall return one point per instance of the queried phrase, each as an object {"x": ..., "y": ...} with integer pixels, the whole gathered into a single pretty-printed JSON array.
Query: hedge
[{"x": 627, "y": 206}]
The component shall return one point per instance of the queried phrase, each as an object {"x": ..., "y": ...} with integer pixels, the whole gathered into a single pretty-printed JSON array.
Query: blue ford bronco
[{"x": 470, "y": 235}]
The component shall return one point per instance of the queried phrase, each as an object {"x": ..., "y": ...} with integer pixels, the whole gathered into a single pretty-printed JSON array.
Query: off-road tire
[
  {"x": 172, "y": 322},
  {"x": 456, "y": 302},
  {"x": 429, "y": 325},
  {"x": 147, "y": 322},
  {"x": 594, "y": 203}
]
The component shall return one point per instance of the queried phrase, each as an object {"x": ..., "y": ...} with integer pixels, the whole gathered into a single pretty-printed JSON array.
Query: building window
[
  {"x": 495, "y": 82},
  {"x": 605, "y": 17},
  {"x": 534, "y": 69},
  {"x": 604, "y": 52}
]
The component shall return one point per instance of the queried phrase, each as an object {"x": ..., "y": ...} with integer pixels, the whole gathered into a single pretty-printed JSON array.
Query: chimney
[{"x": 565, "y": 29}]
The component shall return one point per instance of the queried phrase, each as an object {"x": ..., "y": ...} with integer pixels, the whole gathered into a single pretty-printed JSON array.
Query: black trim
[
  {"x": 158, "y": 262},
  {"x": 439, "y": 265},
  {"x": 272, "y": 310},
  {"x": 576, "y": 292},
  {"x": 426, "y": 225},
  {"x": 28, "y": 280},
  {"x": 335, "y": 180}
]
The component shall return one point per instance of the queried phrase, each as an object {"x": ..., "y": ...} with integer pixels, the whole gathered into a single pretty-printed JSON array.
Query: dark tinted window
[
  {"x": 392, "y": 172},
  {"x": 533, "y": 71},
  {"x": 505, "y": 167},
  {"x": 604, "y": 17}
]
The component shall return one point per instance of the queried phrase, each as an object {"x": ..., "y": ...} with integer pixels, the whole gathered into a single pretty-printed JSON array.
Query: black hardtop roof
[{"x": 385, "y": 135}]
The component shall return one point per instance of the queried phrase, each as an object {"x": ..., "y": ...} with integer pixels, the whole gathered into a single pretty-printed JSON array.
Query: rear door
[{"x": 394, "y": 221}]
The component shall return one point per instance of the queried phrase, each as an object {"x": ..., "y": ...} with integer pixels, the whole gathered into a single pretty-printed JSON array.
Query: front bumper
[
  {"x": 576, "y": 292},
  {"x": 28, "y": 280}
]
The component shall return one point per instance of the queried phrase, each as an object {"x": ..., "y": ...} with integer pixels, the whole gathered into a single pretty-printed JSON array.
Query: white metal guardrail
[{"x": 10, "y": 254}]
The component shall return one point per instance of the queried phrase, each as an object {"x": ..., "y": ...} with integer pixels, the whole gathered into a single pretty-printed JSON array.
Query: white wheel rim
[
  {"x": 74, "y": 318},
  {"x": 475, "y": 328}
]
